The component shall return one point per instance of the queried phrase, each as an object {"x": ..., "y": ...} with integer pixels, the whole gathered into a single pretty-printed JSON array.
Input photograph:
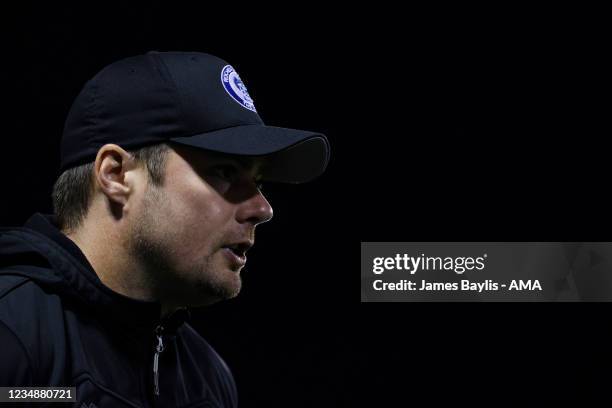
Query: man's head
[
  {"x": 184, "y": 217},
  {"x": 161, "y": 157}
]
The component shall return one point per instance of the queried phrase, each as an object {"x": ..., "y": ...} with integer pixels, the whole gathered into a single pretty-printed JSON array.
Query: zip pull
[{"x": 158, "y": 349}]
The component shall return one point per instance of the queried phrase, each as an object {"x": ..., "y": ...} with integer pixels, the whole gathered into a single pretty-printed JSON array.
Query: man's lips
[{"x": 236, "y": 252}]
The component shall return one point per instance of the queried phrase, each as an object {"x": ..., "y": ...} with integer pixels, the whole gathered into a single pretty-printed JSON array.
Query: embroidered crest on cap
[{"x": 236, "y": 88}]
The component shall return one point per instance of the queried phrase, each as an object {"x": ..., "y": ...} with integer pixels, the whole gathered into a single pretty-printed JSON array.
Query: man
[{"x": 157, "y": 204}]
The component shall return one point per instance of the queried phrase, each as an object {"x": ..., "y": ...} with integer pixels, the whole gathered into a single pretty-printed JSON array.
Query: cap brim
[{"x": 292, "y": 156}]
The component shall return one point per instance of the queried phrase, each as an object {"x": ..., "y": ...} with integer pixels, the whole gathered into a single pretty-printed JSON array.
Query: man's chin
[
  {"x": 210, "y": 296},
  {"x": 224, "y": 289},
  {"x": 216, "y": 284}
]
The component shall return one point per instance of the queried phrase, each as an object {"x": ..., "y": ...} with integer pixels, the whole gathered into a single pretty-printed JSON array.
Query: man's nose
[{"x": 255, "y": 210}]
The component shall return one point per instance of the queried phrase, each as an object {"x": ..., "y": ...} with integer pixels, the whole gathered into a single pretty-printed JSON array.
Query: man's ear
[{"x": 111, "y": 165}]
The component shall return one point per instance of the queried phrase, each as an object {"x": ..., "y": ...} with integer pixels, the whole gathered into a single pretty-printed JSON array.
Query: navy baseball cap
[{"x": 190, "y": 98}]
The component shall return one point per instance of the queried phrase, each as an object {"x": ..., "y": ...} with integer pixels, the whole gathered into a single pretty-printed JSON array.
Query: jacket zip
[
  {"x": 159, "y": 348},
  {"x": 169, "y": 324}
]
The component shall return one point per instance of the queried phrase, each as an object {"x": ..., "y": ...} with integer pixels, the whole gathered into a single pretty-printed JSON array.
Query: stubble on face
[{"x": 153, "y": 245}]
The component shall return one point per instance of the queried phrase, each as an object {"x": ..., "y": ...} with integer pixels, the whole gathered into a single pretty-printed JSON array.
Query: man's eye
[
  {"x": 258, "y": 182},
  {"x": 225, "y": 172}
]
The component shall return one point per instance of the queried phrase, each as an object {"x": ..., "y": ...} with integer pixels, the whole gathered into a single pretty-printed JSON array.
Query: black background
[{"x": 466, "y": 125}]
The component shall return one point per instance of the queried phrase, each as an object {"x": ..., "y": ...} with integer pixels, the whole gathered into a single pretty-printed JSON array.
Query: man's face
[{"x": 191, "y": 234}]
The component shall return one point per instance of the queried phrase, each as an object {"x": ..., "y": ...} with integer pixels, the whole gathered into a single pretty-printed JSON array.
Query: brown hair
[{"x": 73, "y": 189}]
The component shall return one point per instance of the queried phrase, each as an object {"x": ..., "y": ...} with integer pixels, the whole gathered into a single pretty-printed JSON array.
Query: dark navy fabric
[
  {"x": 61, "y": 326},
  {"x": 160, "y": 97}
]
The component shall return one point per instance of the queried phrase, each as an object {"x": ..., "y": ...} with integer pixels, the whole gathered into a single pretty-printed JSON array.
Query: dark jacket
[{"x": 60, "y": 326}]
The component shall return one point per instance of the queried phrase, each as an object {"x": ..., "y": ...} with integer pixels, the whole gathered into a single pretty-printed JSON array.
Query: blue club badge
[{"x": 235, "y": 88}]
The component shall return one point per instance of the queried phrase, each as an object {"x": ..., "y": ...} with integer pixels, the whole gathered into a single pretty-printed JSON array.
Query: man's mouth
[{"x": 237, "y": 251}]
